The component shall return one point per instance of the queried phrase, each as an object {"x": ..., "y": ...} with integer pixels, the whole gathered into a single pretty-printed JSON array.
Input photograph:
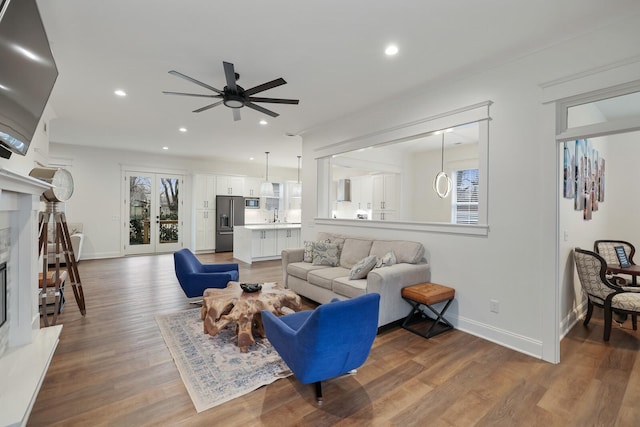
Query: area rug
[{"x": 213, "y": 369}]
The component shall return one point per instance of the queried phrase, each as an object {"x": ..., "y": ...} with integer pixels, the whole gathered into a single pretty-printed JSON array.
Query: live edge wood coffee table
[{"x": 220, "y": 307}]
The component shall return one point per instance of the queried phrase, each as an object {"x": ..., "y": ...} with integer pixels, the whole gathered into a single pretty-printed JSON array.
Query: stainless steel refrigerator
[{"x": 229, "y": 213}]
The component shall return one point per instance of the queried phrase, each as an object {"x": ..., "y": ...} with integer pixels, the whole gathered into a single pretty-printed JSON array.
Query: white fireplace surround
[{"x": 25, "y": 349}]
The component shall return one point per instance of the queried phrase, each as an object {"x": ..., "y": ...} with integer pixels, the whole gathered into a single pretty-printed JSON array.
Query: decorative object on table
[
  {"x": 235, "y": 96},
  {"x": 212, "y": 368},
  {"x": 194, "y": 277},
  {"x": 442, "y": 183},
  {"x": 584, "y": 166},
  {"x": 604, "y": 292},
  {"x": 222, "y": 307},
  {"x": 61, "y": 190},
  {"x": 251, "y": 287},
  {"x": 327, "y": 342}
]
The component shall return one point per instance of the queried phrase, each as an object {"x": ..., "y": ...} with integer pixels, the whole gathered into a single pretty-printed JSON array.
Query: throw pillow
[
  {"x": 325, "y": 254},
  {"x": 388, "y": 259},
  {"x": 363, "y": 267},
  {"x": 308, "y": 251}
]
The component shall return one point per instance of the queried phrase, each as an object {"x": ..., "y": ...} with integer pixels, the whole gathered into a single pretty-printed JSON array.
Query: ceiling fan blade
[
  {"x": 261, "y": 109},
  {"x": 192, "y": 80},
  {"x": 265, "y": 86},
  {"x": 191, "y": 94},
  {"x": 230, "y": 75},
  {"x": 206, "y": 107},
  {"x": 273, "y": 100},
  {"x": 236, "y": 114}
]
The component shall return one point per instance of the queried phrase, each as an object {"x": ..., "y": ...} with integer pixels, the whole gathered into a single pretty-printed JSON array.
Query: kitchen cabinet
[
  {"x": 264, "y": 243},
  {"x": 288, "y": 239},
  {"x": 204, "y": 191},
  {"x": 385, "y": 196},
  {"x": 229, "y": 185},
  {"x": 205, "y": 229},
  {"x": 252, "y": 187},
  {"x": 361, "y": 192}
]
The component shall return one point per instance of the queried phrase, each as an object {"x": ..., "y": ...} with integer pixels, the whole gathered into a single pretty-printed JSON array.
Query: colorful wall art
[{"x": 583, "y": 176}]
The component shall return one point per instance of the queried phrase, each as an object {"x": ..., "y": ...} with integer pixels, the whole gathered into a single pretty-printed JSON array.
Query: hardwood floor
[{"x": 112, "y": 368}]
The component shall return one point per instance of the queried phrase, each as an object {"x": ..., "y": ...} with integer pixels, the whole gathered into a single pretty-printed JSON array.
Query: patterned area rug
[{"x": 213, "y": 369}]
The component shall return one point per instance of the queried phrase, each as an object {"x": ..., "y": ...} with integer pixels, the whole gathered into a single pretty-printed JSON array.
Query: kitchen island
[{"x": 260, "y": 242}]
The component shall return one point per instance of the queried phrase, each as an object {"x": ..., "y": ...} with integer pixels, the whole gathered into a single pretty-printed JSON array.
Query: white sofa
[
  {"x": 322, "y": 283},
  {"x": 77, "y": 238}
]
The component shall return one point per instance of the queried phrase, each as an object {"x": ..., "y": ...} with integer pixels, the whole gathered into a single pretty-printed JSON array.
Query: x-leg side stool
[{"x": 424, "y": 295}]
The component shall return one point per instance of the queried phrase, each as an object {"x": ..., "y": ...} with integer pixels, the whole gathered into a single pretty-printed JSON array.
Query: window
[{"x": 465, "y": 197}]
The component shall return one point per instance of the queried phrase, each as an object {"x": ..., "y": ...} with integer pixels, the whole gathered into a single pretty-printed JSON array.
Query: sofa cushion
[
  {"x": 349, "y": 288},
  {"x": 405, "y": 251},
  {"x": 353, "y": 251},
  {"x": 302, "y": 269},
  {"x": 363, "y": 267},
  {"x": 324, "y": 277},
  {"x": 325, "y": 254}
]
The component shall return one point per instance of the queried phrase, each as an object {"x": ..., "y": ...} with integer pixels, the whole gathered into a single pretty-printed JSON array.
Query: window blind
[{"x": 465, "y": 197}]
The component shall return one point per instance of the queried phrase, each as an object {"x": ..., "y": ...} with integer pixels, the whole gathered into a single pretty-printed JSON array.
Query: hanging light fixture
[
  {"x": 442, "y": 184},
  {"x": 266, "y": 188},
  {"x": 297, "y": 188}
]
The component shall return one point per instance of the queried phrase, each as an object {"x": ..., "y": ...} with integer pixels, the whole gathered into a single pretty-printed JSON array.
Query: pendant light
[
  {"x": 442, "y": 179},
  {"x": 297, "y": 188},
  {"x": 266, "y": 188}
]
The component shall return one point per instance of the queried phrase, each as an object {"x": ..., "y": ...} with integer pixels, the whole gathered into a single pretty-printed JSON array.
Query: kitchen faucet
[{"x": 275, "y": 215}]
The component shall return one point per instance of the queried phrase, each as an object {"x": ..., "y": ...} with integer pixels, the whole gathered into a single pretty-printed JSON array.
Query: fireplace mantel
[{"x": 28, "y": 350}]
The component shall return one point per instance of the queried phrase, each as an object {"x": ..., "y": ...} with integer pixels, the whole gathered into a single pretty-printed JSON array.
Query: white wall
[
  {"x": 516, "y": 262},
  {"x": 97, "y": 198}
]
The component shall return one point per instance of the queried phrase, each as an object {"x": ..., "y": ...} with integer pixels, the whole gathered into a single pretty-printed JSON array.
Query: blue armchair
[
  {"x": 327, "y": 342},
  {"x": 195, "y": 277}
]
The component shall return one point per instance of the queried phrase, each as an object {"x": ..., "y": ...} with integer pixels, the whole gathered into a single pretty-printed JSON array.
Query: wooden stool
[{"x": 426, "y": 294}]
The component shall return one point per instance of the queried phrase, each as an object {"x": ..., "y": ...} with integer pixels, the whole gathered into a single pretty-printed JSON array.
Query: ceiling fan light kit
[{"x": 235, "y": 96}]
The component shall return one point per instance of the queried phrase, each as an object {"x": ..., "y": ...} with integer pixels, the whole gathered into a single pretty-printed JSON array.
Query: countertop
[{"x": 271, "y": 226}]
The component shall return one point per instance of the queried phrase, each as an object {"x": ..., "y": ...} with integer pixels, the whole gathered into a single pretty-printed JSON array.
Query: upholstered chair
[
  {"x": 604, "y": 292},
  {"x": 194, "y": 277},
  {"x": 332, "y": 340}
]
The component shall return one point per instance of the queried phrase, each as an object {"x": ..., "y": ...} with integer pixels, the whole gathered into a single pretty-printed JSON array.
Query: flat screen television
[{"x": 27, "y": 74}]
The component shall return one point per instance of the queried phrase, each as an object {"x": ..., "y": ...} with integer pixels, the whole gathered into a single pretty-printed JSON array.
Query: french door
[{"x": 153, "y": 207}]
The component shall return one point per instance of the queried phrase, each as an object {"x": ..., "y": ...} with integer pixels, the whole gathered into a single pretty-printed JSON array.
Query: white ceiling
[{"x": 330, "y": 52}]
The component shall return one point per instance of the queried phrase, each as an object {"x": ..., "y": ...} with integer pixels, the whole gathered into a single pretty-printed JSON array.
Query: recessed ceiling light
[
  {"x": 263, "y": 122},
  {"x": 391, "y": 50},
  {"x": 165, "y": 148},
  {"x": 120, "y": 92},
  {"x": 250, "y": 158},
  {"x": 182, "y": 129}
]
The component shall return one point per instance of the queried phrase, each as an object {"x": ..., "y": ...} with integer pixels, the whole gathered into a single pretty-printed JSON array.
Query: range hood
[{"x": 344, "y": 190}]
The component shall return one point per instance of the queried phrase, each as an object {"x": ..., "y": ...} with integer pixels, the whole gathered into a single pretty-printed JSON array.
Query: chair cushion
[
  {"x": 349, "y": 288},
  {"x": 353, "y": 251},
  {"x": 627, "y": 301},
  {"x": 324, "y": 277},
  {"x": 301, "y": 269},
  {"x": 363, "y": 267}
]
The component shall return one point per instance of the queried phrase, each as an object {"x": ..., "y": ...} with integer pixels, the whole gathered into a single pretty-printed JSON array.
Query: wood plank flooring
[{"x": 112, "y": 368}]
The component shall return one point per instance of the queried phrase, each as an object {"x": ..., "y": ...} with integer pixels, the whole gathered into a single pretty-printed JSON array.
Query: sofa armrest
[
  {"x": 389, "y": 281},
  {"x": 289, "y": 256}
]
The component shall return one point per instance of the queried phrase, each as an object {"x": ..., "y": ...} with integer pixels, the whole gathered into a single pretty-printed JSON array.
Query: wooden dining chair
[{"x": 606, "y": 249}]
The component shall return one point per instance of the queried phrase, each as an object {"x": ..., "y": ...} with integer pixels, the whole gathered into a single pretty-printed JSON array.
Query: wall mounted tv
[{"x": 27, "y": 74}]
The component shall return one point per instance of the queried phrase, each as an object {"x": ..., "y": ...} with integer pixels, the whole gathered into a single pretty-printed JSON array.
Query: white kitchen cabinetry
[
  {"x": 361, "y": 192},
  {"x": 205, "y": 229},
  {"x": 264, "y": 243},
  {"x": 385, "y": 197},
  {"x": 229, "y": 185},
  {"x": 252, "y": 187},
  {"x": 204, "y": 191},
  {"x": 288, "y": 239}
]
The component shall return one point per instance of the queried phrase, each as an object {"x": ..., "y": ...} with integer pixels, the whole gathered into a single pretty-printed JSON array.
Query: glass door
[{"x": 154, "y": 213}]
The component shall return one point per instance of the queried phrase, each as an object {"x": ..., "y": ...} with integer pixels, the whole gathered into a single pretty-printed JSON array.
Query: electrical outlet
[{"x": 494, "y": 306}]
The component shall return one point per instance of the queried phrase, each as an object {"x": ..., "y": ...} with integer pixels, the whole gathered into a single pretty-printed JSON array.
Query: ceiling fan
[{"x": 235, "y": 96}]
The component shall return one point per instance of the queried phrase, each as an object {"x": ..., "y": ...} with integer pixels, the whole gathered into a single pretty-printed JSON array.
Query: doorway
[{"x": 153, "y": 209}]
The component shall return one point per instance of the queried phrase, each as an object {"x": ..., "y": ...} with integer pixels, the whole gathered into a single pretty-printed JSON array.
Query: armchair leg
[
  {"x": 319, "y": 392},
  {"x": 608, "y": 314},
  {"x": 587, "y": 317},
  {"x": 634, "y": 321}
]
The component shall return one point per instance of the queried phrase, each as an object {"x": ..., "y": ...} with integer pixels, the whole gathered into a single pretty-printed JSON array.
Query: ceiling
[{"x": 331, "y": 54}]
